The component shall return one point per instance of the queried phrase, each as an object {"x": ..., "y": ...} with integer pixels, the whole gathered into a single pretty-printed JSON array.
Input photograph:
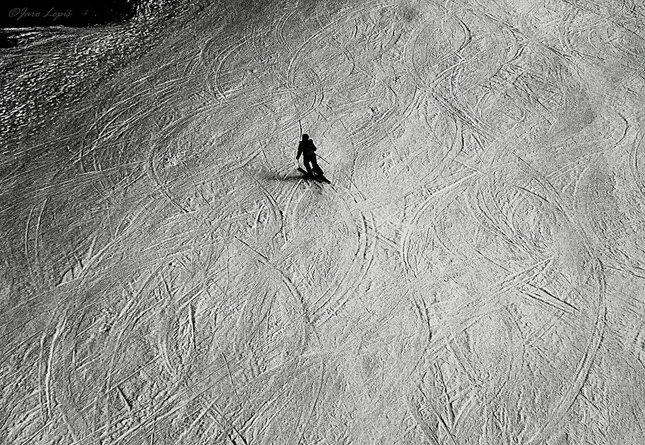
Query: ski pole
[{"x": 324, "y": 159}]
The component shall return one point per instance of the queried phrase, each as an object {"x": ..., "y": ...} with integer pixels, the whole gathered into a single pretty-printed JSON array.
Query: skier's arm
[{"x": 299, "y": 151}]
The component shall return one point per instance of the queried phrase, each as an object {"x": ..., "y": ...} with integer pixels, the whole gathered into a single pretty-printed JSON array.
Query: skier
[{"x": 307, "y": 149}]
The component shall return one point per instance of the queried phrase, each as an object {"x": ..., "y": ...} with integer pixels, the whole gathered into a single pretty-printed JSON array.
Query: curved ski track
[{"x": 472, "y": 275}]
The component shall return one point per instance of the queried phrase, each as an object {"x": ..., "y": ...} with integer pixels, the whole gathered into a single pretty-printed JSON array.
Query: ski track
[{"x": 472, "y": 274}]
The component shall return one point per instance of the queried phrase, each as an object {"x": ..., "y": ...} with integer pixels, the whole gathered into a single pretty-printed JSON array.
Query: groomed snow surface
[{"x": 475, "y": 273}]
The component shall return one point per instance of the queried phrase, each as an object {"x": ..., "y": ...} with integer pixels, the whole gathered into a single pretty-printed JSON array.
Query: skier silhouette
[{"x": 307, "y": 149}]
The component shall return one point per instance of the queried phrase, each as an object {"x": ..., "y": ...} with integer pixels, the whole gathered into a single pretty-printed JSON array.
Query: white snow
[{"x": 475, "y": 273}]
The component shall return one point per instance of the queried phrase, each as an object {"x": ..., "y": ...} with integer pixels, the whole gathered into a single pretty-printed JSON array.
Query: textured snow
[{"x": 475, "y": 273}]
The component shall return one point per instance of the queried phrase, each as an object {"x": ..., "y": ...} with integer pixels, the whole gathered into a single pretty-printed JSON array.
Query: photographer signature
[{"x": 19, "y": 13}]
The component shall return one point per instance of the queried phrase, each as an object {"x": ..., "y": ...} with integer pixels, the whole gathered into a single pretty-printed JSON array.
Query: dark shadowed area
[{"x": 43, "y": 13}]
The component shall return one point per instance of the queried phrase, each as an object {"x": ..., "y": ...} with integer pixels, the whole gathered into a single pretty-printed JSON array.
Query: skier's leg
[
  {"x": 307, "y": 163},
  {"x": 316, "y": 168}
]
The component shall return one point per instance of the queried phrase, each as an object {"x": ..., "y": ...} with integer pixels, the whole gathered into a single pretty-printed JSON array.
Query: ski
[{"x": 314, "y": 177}]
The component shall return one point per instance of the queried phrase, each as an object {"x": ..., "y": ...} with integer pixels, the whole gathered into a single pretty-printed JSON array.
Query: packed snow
[{"x": 473, "y": 274}]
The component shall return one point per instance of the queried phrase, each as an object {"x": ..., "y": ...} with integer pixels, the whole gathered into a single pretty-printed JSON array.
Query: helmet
[{"x": 305, "y": 137}]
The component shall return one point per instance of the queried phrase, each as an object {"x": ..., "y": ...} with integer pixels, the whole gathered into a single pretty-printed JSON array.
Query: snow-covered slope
[{"x": 474, "y": 274}]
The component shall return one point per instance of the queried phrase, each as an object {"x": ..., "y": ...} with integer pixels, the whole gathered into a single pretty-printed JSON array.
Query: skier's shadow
[
  {"x": 292, "y": 177},
  {"x": 295, "y": 178}
]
